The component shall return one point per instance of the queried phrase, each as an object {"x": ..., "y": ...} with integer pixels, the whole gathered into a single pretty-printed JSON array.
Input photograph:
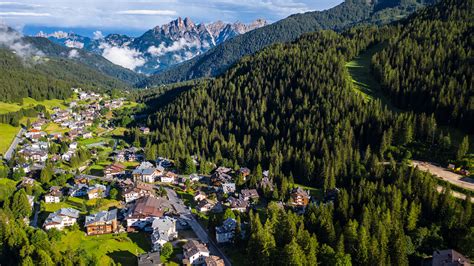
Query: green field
[
  {"x": 120, "y": 248},
  {"x": 362, "y": 78},
  {"x": 30, "y": 102},
  {"x": 92, "y": 205},
  {"x": 7, "y": 133}
]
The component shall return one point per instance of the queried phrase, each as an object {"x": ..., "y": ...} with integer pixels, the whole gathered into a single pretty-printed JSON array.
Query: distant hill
[
  {"x": 46, "y": 77},
  {"x": 89, "y": 59},
  {"x": 221, "y": 57}
]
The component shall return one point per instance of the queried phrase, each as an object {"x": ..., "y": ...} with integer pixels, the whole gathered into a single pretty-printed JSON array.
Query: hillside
[
  {"x": 44, "y": 78},
  {"x": 219, "y": 58},
  {"x": 79, "y": 56},
  {"x": 292, "y": 108},
  {"x": 427, "y": 67}
]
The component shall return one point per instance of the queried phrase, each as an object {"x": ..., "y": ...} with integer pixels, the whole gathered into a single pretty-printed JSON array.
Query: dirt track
[{"x": 444, "y": 174}]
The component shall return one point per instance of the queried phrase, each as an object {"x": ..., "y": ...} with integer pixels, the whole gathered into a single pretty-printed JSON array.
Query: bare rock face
[{"x": 163, "y": 46}]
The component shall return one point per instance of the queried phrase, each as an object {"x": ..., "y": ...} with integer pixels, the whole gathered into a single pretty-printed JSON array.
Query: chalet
[
  {"x": 81, "y": 179},
  {"x": 35, "y": 155},
  {"x": 78, "y": 190},
  {"x": 137, "y": 191},
  {"x": 68, "y": 155},
  {"x": 249, "y": 194},
  {"x": 194, "y": 253},
  {"x": 61, "y": 218},
  {"x": 144, "y": 210},
  {"x": 266, "y": 182},
  {"x": 104, "y": 222},
  {"x": 149, "y": 259},
  {"x": 114, "y": 170},
  {"x": 195, "y": 177},
  {"x": 299, "y": 197},
  {"x": 169, "y": 177},
  {"x": 199, "y": 196},
  {"x": 26, "y": 182},
  {"x": 205, "y": 205},
  {"x": 214, "y": 261},
  {"x": 73, "y": 146},
  {"x": 245, "y": 172},
  {"x": 145, "y": 172},
  {"x": 449, "y": 257},
  {"x": 97, "y": 191},
  {"x": 54, "y": 195},
  {"x": 240, "y": 204},
  {"x": 164, "y": 230},
  {"x": 228, "y": 187},
  {"x": 225, "y": 233}
]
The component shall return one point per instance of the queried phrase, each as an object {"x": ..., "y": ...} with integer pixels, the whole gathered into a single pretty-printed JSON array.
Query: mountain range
[
  {"x": 347, "y": 14},
  {"x": 158, "y": 48}
]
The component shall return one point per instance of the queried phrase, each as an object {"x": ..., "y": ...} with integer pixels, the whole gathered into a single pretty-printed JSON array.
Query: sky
[{"x": 135, "y": 17}]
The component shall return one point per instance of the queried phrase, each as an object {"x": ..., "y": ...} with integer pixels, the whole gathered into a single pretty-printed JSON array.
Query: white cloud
[
  {"x": 98, "y": 35},
  {"x": 148, "y": 12},
  {"x": 24, "y": 14},
  {"x": 175, "y": 46},
  {"x": 122, "y": 56},
  {"x": 13, "y": 41},
  {"x": 73, "y": 54},
  {"x": 74, "y": 44}
]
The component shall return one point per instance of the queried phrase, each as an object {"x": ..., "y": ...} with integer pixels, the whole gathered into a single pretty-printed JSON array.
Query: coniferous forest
[{"x": 292, "y": 109}]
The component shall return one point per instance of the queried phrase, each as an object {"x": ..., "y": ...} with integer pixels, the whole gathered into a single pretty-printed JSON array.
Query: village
[{"x": 80, "y": 174}]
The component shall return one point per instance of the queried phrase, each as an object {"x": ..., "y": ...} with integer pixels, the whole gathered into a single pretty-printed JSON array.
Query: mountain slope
[
  {"x": 91, "y": 60},
  {"x": 218, "y": 59},
  {"x": 427, "y": 67}
]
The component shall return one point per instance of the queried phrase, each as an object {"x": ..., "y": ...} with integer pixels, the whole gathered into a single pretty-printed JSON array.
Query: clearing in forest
[{"x": 361, "y": 76}]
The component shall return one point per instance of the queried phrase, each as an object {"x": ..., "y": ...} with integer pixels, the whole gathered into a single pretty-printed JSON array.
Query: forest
[
  {"x": 427, "y": 66},
  {"x": 292, "y": 109}
]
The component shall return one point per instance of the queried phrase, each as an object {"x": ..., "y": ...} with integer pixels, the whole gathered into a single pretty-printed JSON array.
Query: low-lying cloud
[
  {"x": 178, "y": 45},
  {"x": 123, "y": 56},
  {"x": 12, "y": 40},
  {"x": 73, "y": 54}
]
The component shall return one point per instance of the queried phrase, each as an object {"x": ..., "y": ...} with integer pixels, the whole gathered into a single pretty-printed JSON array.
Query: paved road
[
  {"x": 202, "y": 234},
  {"x": 445, "y": 174},
  {"x": 16, "y": 140}
]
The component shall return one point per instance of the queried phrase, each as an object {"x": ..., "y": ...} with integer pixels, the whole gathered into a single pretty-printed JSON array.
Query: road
[
  {"x": 202, "y": 234},
  {"x": 454, "y": 193},
  {"x": 16, "y": 140},
  {"x": 446, "y": 175}
]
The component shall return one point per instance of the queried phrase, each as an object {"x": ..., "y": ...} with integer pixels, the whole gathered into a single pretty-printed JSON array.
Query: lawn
[
  {"x": 30, "y": 102},
  {"x": 7, "y": 134},
  {"x": 362, "y": 78},
  {"x": 93, "y": 205},
  {"x": 119, "y": 248},
  {"x": 93, "y": 141},
  {"x": 54, "y": 128},
  {"x": 313, "y": 192}
]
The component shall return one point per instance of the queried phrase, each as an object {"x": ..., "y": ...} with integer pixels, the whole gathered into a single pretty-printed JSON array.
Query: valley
[{"x": 334, "y": 137}]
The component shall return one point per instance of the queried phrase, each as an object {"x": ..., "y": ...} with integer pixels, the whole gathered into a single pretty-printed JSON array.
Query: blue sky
[{"x": 135, "y": 17}]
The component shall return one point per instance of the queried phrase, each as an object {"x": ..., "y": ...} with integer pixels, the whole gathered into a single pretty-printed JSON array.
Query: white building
[
  {"x": 54, "y": 195},
  {"x": 195, "y": 253},
  {"x": 61, "y": 218},
  {"x": 164, "y": 230}
]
